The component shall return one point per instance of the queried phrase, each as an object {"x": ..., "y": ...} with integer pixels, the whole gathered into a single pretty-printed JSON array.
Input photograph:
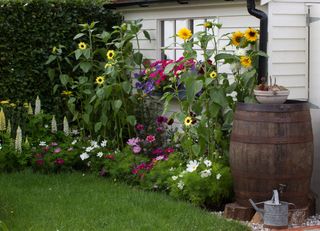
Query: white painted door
[{"x": 314, "y": 54}]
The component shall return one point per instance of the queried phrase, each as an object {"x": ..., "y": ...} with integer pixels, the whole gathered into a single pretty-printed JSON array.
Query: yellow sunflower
[
  {"x": 82, "y": 46},
  {"x": 184, "y": 33},
  {"x": 236, "y": 38},
  {"x": 213, "y": 74},
  {"x": 66, "y": 93},
  {"x": 188, "y": 121},
  {"x": 54, "y": 50},
  {"x": 107, "y": 65},
  {"x": 110, "y": 54},
  {"x": 208, "y": 24},
  {"x": 251, "y": 34},
  {"x": 100, "y": 80},
  {"x": 245, "y": 61}
]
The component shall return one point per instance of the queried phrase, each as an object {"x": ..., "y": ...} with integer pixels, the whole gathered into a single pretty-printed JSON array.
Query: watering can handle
[{"x": 261, "y": 211}]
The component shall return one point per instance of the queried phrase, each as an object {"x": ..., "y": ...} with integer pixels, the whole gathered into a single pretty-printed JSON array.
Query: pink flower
[
  {"x": 136, "y": 149},
  {"x": 133, "y": 141},
  {"x": 139, "y": 127},
  {"x": 59, "y": 161},
  {"x": 54, "y": 144},
  {"x": 160, "y": 129},
  {"x": 57, "y": 150},
  {"x": 169, "y": 150},
  {"x": 150, "y": 138},
  {"x": 162, "y": 119}
]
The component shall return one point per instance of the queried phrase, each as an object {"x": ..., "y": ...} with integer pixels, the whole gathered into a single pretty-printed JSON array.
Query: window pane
[
  {"x": 169, "y": 54},
  {"x": 168, "y": 33}
]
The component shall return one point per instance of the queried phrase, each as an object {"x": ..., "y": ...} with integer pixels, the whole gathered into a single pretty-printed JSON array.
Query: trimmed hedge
[{"x": 29, "y": 30}]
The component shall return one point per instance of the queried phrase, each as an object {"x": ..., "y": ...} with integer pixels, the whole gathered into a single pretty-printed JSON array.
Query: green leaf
[
  {"x": 137, "y": 58},
  {"x": 86, "y": 118},
  {"x": 104, "y": 119},
  {"x": 55, "y": 88},
  {"x": 78, "y": 53},
  {"x": 51, "y": 74},
  {"x": 108, "y": 91},
  {"x": 93, "y": 99},
  {"x": 169, "y": 68},
  {"x": 87, "y": 92},
  {"x": 225, "y": 56},
  {"x": 100, "y": 93},
  {"x": 131, "y": 120},
  {"x": 126, "y": 86},
  {"x": 87, "y": 53},
  {"x": 196, "y": 149},
  {"x": 64, "y": 79},
  {"x": 83, "y": 79},
  {"x": 147, "y": 35},
  {"x": 218, "y": 96},
  {"x": 78, "y": 36},
  {"x": 192, "y": 88},
  {"x": 51, "y": 58},
  {"x": 85, "y": 66},
  {"x": 117, "y": 105},
  {"x": 97, "y": 126}
]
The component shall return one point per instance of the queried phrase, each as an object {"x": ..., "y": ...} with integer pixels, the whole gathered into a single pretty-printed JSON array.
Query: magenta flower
[
  {"x": 157, "y": 151},
  {"x": 162, "y": 119},
  {"x": 160, "y": 129},
  {"x": 40, "y": 162},
  {"x": 136, "y": 149},
  {"x": 140, "y": 127},
  {"x": 150, "y": 138},
  {"x": 133, "y": 141},
  {"x": 59, "y": 161},
  {"x": 169, "y": 150},
  {"x": 57, "y": 150},
  {"x": 54, "y": 144}
]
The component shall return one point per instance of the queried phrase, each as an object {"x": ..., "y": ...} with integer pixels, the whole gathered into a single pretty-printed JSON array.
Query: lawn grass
[{"x": 73, "y": 202}]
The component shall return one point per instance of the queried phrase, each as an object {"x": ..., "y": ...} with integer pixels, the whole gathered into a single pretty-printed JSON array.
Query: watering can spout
[{"x": 261, "y": 211}]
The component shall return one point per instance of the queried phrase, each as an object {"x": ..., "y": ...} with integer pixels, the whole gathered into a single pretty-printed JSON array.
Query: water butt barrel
[{"x": 272, "y": 144}]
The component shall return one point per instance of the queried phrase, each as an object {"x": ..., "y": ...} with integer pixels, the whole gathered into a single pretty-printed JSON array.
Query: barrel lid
[{"x": 288, "y": 106}]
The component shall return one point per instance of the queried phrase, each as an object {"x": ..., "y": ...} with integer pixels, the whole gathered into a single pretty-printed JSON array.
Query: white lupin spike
[
  {"x": 54, "y": 128},
  {"x": 2, "y": 120},
  {"x": 18, "y": 140},
  {"x": 65, "y": 126},
  {"x": 9, "y": 128},
  {"x": 37, "y": 108},
  {"x": 30, "y": 110}
]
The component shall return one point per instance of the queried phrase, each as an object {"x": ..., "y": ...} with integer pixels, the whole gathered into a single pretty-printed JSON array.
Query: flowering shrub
[{"x": 162, "y": 74}]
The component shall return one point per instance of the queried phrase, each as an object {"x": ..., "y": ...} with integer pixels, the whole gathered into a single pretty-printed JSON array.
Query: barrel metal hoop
[
  {"x": 240, "y": 174},
  {"x": 249, "y": 139},
  {"x": 290, "y": 107}
]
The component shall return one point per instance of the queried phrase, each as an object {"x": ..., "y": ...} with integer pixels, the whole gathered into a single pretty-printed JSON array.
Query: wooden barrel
[{"x": 272, "y": 144}]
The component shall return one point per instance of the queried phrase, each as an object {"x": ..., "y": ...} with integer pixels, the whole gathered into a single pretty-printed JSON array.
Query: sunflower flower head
[
  {"x": 107, "y": 65},
  {"x": 82, "y": 46},
  {"x": 188, "y": 121},
  {"x": 213, "y": 75},
  {"x": 110, "y": 54},
  {"x": 251, "y": 34},
  {"x": 100, "y": 80},
  {"x": 66, "y": 93},
  {"x": 236, "y": 38},
  {"x": 208, "y": 25},
  {"x": 245, "y": 61},
  {"x": 184, "y": 33}
]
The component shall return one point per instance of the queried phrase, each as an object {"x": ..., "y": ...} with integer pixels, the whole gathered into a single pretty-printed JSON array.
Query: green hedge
[{"x": 29, "y": 30}]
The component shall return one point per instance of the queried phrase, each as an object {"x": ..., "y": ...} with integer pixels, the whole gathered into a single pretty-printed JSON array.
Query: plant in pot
[{"x": 271, "y": 93}]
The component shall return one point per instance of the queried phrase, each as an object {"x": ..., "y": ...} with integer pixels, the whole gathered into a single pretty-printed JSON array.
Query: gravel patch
[{"x": 311, "y": 221}]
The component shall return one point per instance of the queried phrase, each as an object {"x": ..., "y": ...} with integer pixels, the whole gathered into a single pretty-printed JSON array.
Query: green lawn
[{"x": 74, "y": 202}]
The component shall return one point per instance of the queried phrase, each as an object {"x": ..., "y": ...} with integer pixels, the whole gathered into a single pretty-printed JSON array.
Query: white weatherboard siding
[{"x": 288, "y": 46}]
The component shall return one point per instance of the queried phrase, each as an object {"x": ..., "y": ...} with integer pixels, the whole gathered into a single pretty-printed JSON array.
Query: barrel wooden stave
[{"x": 271, "y": 147}]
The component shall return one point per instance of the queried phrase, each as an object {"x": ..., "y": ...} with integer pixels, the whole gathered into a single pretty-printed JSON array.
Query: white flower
[
  {"x": 89, "y": 149},
  {"x": 174, "y": 177},
  {"x": 171, "y": 169},
  {"x": 0, "y": 147},
  {"x": 74, "y": 132},
  {"x": 66, "y": 129},
  {"x": 182, "y": 173},
  {"x": 180, "y": 185},
  {"x": 74, "y": 142},
  {"x": 233, "y": 95},
  {"x": 46, "y": 126},
  {"x": 235, "y": 67},
  {"x": 192, "y": 165},
  {"x": 18, "y": 140},
  {"x": 218, "y": 176},
  {"x": 54, "y": 128},
  {"x": 208, "y": 163},
  {"x": 89, "y": 163},
  {"x": 42, "y": 143},
  {"x": 37, "y": 108},
  {"x": 84, "y": 156},
  {"x": 100, "y": 154},
  {"x": 240, "y": 52},
  {"x": 104, "y": 143},
  {"x": 93, "y": 143},
  {"x": 205, "y": 173}
]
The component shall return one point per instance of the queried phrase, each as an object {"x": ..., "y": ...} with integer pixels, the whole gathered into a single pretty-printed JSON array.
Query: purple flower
[
  {"x": 157, "y": 151},
  {"x": 133, "y": 141},
  {"x": 139, "y": 85},
  {"x": 169, "y": 150},
  {"x": 149, "y": 87},
  {"x": 136, "y": 149},
  {"x": 54, "y": 144},
  {"x": 162, "y": 119},
  {"x": 160, "y": 129}
]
